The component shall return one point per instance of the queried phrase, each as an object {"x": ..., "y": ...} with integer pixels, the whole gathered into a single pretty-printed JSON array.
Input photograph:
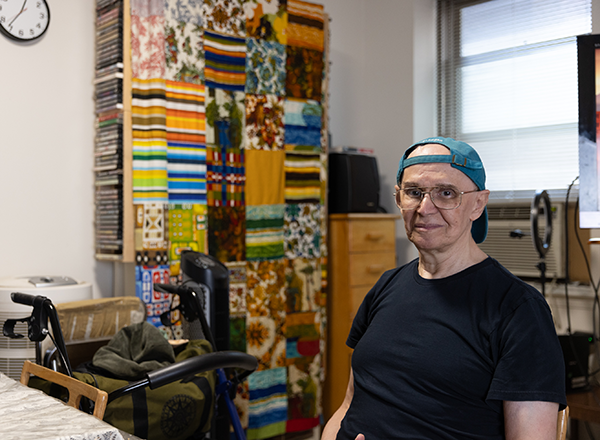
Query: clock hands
[{"x": 20, "y": 12}]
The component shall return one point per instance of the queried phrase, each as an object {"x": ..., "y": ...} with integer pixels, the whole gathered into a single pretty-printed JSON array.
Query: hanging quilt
[{"x": 229, "y": 101}]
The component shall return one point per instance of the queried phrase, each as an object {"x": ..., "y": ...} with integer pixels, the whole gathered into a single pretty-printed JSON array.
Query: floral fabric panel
[
  {"x": 149, "y": 138},
  {"x": 186, "y": 150},
  {"x": 268, "y": 403},
  {"x": 147, "y": 39},
  {"x": 265, "y": 174},
  {"x": 227, "y": 233},
  {"x": 303, "y": 122},
  {"x": 305, "y": 25},
  {"x": 187, "y": 231},
  {"x": 266, "y": 313},
  {"x": 303, "y": 351},
  {"x": 187, "y": 11},
  {"x": 184, "y": 47},
  {"x": 304, "y": 73},
  {"x": 225, "y": 16},
  {"x": 265, "y": 67},
  {"x": 264, "y": 232},
  {"x": 266, "y": 19},
  {"x": 237, "y": 289},
  {"x": 225, "y": 160},
  {"x": 225, "y": 61},
  {"x": 264, "y": 122},
  {"x": 302, "y": 231},
  {"x": 303, "y": 285},
  {"x": 302, "y": 177}
]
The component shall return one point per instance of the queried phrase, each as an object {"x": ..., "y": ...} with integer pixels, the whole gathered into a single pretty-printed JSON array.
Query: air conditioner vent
[
  {"x": 518, "y": 255},
  {"x": 509, "y": 212}
]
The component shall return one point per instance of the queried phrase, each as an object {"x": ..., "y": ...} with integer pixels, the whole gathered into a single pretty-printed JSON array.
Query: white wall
[
  {"x": 46, "y": 151},
  {"x": 47, "y": 123}
]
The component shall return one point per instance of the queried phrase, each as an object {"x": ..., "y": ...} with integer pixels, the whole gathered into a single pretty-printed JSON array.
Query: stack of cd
[{"x": 108, "y": 165}]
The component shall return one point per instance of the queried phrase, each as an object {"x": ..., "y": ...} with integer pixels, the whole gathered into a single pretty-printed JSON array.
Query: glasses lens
[
  {"x": 445, "y": 197},
  {"x": 442, "y": 197},
  {"x": 409, "y": 198}
]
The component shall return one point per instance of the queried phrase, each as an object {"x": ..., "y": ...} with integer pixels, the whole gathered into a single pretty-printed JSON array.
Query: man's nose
[{"x": 427, "y": 204}]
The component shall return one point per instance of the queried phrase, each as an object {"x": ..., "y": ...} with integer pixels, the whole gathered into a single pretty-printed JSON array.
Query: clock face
[{"x": 24, "y": 20}]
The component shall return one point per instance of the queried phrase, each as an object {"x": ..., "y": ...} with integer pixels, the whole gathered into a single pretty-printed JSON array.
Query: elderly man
[{"x": 451, "y": 345}]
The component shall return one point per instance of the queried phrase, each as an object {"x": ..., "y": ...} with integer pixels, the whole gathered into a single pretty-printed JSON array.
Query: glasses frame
[{"x": 423, "y": 192}]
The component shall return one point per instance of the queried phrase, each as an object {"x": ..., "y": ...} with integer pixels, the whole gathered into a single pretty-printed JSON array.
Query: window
[{"x": 507, "y": 84}]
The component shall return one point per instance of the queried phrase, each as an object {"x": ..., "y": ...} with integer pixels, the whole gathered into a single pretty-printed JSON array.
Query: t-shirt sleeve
[{"x": 530, "y": 364}]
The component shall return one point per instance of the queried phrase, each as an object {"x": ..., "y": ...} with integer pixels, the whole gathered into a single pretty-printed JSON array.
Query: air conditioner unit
[{"x": 519, "y": 255}]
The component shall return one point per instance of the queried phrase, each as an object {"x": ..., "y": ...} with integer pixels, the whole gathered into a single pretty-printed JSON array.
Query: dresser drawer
[
  {"x": 372, "y": 235},
  {"x": 365, "y": 269},
  {"x": 357, "y": 295}
]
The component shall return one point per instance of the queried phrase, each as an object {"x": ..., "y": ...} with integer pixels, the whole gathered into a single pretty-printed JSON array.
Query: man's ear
[{"x": 480, "y": 204}]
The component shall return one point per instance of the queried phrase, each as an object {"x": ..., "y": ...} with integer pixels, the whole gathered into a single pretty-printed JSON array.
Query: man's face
[{"x": 433, "y": 229}]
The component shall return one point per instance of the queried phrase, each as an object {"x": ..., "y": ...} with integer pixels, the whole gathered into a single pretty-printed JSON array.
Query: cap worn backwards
[{"x": 464, "y": 158}]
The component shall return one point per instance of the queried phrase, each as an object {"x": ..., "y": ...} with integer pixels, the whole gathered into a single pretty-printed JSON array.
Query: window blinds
[{"x": 507, "y": 84}]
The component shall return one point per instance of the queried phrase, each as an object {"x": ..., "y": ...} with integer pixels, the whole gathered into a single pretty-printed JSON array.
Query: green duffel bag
[{"x": 180, "y": 410}]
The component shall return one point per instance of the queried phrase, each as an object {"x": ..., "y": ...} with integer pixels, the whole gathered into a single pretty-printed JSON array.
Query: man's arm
[
  {"x": 333, "y": 425},
  {"x": 530, "y": 420}
]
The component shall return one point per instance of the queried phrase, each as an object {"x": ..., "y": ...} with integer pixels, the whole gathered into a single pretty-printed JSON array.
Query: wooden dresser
[{"x": 361, "y": 248}]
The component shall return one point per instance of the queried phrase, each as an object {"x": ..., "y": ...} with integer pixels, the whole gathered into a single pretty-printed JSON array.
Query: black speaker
[
  {"x": 576, "y": 352},
  {"x": 353, "y": 183}
]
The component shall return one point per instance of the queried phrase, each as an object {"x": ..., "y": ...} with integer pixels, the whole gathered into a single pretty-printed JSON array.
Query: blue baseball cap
[{"x": 464, "y": 158}]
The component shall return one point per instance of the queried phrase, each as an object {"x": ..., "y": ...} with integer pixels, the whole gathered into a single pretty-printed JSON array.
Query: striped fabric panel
[
  {"x": 268, "y": 397},
  {"x": 305, "y": 25},
  {"x": 225, "y": 61},
  {"x": 264, "y": 232},
  {"x": 302, "y": 178},
  {"x": 186, "y": 151},
  {"x": 148, "y": 113}
]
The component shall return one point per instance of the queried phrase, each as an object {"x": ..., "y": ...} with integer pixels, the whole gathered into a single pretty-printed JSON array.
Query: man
[{"x": 451, "y": 345}]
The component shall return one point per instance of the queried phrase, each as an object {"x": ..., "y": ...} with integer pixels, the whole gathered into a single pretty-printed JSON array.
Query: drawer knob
[
  {"x": 374, "y": 236},
  {"x": 375, "y": 268}
]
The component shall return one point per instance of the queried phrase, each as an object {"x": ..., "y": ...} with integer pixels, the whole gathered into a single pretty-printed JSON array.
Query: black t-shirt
[{"x": 434, "y": 359}]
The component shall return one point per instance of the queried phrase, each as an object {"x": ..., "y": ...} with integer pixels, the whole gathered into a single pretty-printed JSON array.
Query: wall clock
[{"x": 24, "y": 20}]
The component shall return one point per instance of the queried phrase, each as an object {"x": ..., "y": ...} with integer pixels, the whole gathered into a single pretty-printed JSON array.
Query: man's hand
[{"x": 360, "y": 437}]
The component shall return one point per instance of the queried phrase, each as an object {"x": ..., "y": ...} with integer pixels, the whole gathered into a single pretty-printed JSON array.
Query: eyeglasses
[{"x": 443, "y": 197}]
